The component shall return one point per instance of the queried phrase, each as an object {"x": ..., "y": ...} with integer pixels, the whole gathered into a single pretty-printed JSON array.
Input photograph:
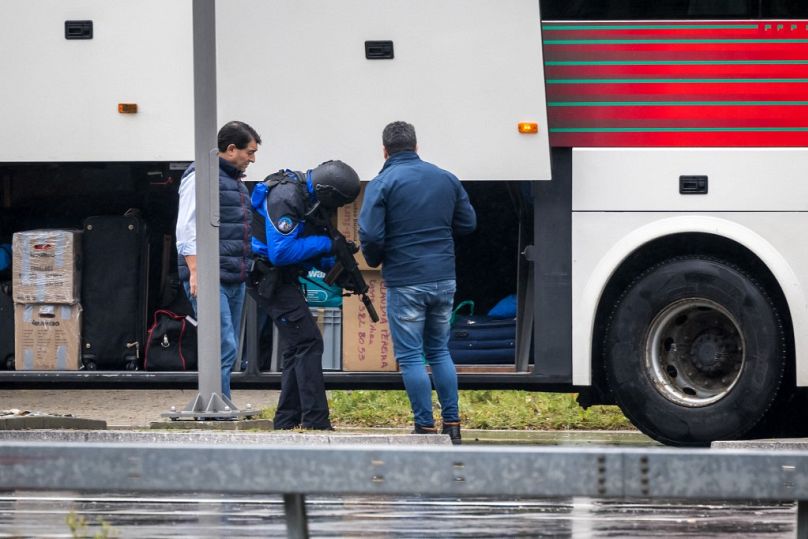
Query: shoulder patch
[{"x": 285, "y": 224}]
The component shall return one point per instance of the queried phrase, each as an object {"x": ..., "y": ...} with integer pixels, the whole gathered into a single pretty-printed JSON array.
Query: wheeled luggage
[
  {"x": 6, "y": 327},
  {"x": 476, "y": 340},
  {"x": 481, "y": 340},
  {"x": 114, "y": 291}
]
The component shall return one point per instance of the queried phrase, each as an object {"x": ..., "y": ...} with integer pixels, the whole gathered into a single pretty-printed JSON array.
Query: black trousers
[{"x": 302, "y": 402}]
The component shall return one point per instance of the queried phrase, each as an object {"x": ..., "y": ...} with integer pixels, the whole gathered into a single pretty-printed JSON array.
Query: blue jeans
[
  {"x": 419, "y": 318},
  {"x": 231, "y": 303}
]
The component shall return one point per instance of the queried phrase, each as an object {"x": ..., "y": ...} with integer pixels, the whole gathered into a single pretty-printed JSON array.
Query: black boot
[
  {"x": 453, "y": 430},
  {"x": 420, "y": 429}
]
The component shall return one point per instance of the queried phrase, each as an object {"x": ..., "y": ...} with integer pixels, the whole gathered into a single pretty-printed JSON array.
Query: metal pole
[
  {"x": 297, "y": 524},
  {"x": 209, "y": 402}
]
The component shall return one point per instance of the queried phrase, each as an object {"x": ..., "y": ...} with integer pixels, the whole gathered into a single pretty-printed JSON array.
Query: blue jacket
[
  {"x": 409, "y": 215},
  {"x": 290, "y": 240},
  {"x": 235, "y": 226}
]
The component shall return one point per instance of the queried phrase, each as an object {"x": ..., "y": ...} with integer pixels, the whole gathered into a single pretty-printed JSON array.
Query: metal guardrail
[{"x": 293, "y": 472}]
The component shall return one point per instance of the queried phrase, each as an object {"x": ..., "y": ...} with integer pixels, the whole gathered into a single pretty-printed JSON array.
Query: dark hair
[
  {"x": 237, "y": 133},
  {"x": 399, "y": 137}
]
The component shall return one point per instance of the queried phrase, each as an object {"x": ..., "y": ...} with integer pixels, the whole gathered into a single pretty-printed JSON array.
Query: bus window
[
  {"x": 709, "y": 9},
  {"x": 784, "y": 9},
  {"x": 594, "y": 10}
]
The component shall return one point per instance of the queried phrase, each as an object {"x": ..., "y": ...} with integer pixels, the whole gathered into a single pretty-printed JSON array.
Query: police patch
[{"x": 285, "y": 224}]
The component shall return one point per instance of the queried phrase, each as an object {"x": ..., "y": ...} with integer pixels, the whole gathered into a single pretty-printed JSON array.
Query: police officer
[{"x": 287, "y": 243}]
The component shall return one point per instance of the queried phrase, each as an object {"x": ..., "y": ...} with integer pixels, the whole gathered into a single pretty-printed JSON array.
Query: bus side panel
[
  {"x": 60, "y": 96},
  {"x": 464, "y": 72},
  {"x": 607, "y": 228}
]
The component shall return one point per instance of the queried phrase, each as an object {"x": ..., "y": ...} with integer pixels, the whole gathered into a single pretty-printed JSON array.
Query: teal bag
[
  {"x": 318, "y": 293},
  {"x": 468, "y": 303}
]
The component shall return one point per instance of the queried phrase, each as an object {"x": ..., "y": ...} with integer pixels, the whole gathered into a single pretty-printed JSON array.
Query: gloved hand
[{"x": 353, "y": 248}]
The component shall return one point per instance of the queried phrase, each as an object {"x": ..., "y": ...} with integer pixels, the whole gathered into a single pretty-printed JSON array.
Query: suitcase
[
  {"x": 114, "y": 291},
  {"x": 6, "y": 327},
  {"x": 482, "y": 340}
]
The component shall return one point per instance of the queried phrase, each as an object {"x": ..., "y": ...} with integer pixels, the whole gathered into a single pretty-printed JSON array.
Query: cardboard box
[
  {"x": 47, "y": 337},
  {"x": 45, "y": 266},
  {"x": 348, "y": 224},
  {"x": 367, "y": 346}
]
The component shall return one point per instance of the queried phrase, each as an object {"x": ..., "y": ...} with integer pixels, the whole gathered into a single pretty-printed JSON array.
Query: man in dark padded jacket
[
  {"x": 237, "y": 144},
  {"x": 287, "y": 242}
]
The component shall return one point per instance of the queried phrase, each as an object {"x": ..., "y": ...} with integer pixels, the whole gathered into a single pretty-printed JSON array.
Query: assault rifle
[{"x": 345, "y": 273}]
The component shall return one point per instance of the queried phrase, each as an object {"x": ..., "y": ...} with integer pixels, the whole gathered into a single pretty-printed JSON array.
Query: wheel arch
[{"x": 676, "y": 236}]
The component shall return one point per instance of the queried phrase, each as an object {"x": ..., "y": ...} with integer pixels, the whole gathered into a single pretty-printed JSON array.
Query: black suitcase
[
  {"x": 6, "y": 327},
  {"x": 114, "y": 293}
]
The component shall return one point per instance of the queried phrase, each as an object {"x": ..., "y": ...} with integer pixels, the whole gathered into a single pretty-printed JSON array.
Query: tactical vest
[{"x": 274, "y": 179}]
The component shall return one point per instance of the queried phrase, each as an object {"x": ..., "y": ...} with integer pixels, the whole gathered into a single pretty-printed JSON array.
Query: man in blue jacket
[
  {"x": 287, "y": 242},
  {"x": 237, "y": 143},
  {"x": 409, "y": 215}
]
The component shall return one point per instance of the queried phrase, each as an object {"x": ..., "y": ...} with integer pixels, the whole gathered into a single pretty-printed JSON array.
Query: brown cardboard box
[
  {"x": 47, "y": 336},
  {"x": 45, "y": 266},
  {"x": 367, "y": 346},
  {"x": 348, "y": 224}
]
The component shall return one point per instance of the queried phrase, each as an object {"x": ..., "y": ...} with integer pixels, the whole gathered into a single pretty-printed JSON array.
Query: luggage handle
[
  {"x": 468, "y": 303},
  {"x": 172, "y": 315}
]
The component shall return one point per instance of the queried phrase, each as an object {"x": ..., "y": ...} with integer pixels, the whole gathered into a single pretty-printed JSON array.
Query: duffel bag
[{"x": 171, "y": 343}]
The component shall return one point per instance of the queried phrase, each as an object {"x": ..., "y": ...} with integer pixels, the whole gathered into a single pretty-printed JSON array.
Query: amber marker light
[
  {"x": 127, "y": 108},
  {"x": 528, "y": 128}
]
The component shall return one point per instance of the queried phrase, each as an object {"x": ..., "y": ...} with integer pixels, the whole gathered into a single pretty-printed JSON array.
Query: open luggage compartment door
[{"x": 320, "y": 80}]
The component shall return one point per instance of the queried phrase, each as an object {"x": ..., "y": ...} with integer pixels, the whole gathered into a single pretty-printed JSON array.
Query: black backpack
[{"x": 171, "y": 343}]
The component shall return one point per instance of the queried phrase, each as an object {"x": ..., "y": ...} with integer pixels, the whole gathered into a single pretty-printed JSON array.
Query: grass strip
[{"x": 479, "y": 409}]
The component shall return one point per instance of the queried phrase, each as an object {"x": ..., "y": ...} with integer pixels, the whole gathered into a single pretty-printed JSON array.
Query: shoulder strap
[
  {"x": 276, "y": 178},
  {"x": 301, "y": 184}
]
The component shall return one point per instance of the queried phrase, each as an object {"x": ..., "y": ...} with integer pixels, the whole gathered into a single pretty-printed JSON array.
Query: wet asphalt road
[{"x": 37, "y": 515}]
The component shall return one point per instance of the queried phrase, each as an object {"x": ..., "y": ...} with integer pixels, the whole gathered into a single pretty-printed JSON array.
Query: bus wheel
[{"x": 694, "y": 352}]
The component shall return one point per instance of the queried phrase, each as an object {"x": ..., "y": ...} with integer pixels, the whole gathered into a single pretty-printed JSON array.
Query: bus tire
[{"x": 694, "y": 352}]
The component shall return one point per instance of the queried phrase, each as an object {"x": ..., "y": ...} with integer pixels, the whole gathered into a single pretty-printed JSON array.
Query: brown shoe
[
  {"x": 453, "y": 430},
  {"x": 420, "y": 429}
]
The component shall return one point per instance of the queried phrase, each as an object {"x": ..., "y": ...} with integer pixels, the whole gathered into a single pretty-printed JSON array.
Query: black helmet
[{"x": 335, "y": 184}]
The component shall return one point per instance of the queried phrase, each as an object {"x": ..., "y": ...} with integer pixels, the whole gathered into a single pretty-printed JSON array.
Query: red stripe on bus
[
  {"x": 677, "y": 51},
  {"x": 679, "y": 139},
  {"x": 683, "y": 116},
  {"x": 717, "y": 70},
  {"x": 678, "y": 92}
]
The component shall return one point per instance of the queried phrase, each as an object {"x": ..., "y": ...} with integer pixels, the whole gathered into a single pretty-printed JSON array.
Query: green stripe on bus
[
  {"x": 677, "y": 129},
  {"x": 552, "y": 27},
  {"x": 676, "y": 103},
  {"x": 671, "y": 62},
  {"x": 672, "y": 81},
  {"x": 665, "y": 41}
]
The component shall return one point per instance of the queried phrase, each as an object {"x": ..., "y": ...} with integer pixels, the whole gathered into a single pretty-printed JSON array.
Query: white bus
[{"x": 660, "y": 267}]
